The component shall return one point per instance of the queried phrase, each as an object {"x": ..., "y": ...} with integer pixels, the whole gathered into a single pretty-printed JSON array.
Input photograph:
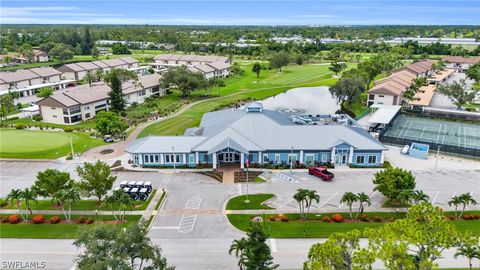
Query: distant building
[
  {"x": 421, "y": 40},
  {"x": 27, "y": 81},
  {"x": 40, "y": 56},
  {"x": 254, "y": 135},
  {"x": 84, "y": 102},
  {"x": 77, "y": 71},
  {"x": 460, "y": 63},
  {"x": 389, "y": 90},
  {"x": 210, "y": 66}
]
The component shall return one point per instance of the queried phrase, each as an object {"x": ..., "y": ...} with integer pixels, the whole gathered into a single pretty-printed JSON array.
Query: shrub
[
  {"x": 67, "y": 129},
  {"x": 451, "y": 217},
  {"x": 377, "y": 219},
  {"x": 37, "y": 118},
  {"x": 272, "y": 218},
  {"x": 3, "y": 203},
  {"x": 326, "y": 219},
  {"x": 19, "y": 126},
  {"x": 3, "y": 220},
  {"x": 89, "y": 221},
  {"x": 282, "y": 217},
  {"x": 54, "y": 220},
  {"x": 38, "y": 219},
  {"x": 468, "y": 217},
  {"x": 13, "y": 219},
  {"x": 364, "y": 217},
  {"x": 337, "y": 218},
  {"x": 81, "y": 220},
  {"x": 476, "y": 216}
]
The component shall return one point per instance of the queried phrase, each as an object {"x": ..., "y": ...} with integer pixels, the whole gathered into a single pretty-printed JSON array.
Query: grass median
[
  {"x": 57, "y": 231},
  {"x": 255, "y": 202},
  {"x": 313, "y": 227}
]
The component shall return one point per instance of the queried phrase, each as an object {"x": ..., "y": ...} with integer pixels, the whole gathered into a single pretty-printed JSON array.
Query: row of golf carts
[{"x": 138, "y": 190}]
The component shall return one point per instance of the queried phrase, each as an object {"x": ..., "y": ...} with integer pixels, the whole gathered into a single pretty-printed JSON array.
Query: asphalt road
[{"x": 192, "y": 228}]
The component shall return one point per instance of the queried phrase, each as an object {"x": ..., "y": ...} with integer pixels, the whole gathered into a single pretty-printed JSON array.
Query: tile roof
[
  {"x": 129, "y": 60},
  {"x": 461, "y": 59},
  {"x": 18, "y": 75},
  {"x": 87, "y": 66},
  {"x": 72, "y": 67},
  {"x": 45, "y": 71},
  {"x": 113, "y": 62}
]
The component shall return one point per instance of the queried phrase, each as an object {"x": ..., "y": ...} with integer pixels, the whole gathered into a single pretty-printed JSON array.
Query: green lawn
[
  {"x": 247, "y": 86},
  {"x": 54, "y": 231},
  {"x": 256, "y": 202},
  {"x": 43, "y": 144},
  {"x": 83, "y": 205},
  {"x": 295, "y": 228},
  {"x": 81, "y": 126}
]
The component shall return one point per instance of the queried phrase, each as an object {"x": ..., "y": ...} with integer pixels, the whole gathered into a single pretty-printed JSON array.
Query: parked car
[
  {"x": 108, "y": 138},
  {"x": 321, "y": 172}
]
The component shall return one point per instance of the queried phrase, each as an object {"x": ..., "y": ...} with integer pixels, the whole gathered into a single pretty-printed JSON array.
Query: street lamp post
[
  {"x": 71, "y": 146},
  {"x": 248, "y": 165}
]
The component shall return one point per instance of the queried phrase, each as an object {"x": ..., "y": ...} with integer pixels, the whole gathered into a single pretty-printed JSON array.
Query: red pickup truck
[{"x": 321, "y": 172}]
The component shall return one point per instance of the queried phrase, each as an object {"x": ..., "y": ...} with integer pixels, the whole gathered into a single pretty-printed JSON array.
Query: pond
[{"x": 304, "y": 100}]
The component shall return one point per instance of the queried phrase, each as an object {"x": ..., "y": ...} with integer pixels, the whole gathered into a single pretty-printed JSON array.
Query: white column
[
  {"x": 161, "y": 159},
  {"x": 197, "y": 158},
  {"x": 214, "y": 163},
  {"x": 140, "y": 159},
  {"x": 332, "y": 158},
  {"x": 382, "y": 157},
  {"x": 242, "y": 160},
  {"x": 350, "y": 156},
  {"x": 260, "y": 159},
  {"x": 301, "y": 156},
  {"x": 184, "y": 158}
]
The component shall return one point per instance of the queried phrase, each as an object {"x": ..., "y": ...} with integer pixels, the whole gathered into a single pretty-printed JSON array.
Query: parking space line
[
  {"x": 435, "y": 198},
  {"x": 164, "y": 228},
  {"x": 325, "y": 202},
  {"x": 273, "y": 245}
]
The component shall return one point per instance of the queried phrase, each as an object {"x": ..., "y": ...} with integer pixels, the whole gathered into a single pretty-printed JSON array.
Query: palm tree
[
  {"x": 405, "y": 197},
  {"x": 301, "y": 197},
  {"x": 311, "y": 195},
  {"x": 419, "y": 196},
  {"x": 469, "y": 251},
  {"x": 16, "y": 195},
  {"x": 89, "y": 78},
  {"x": 466, "y": 199},
  {"x": 28, "y": 195},
  {"x": 238, "y": 247},
  {"x": 349, "y": 198},
  {"x": 121, "y": 201},
  {"x": 362, "y": 199},
  {"x": 69, "y": 196},
  {"x": 455, "y": 201}
]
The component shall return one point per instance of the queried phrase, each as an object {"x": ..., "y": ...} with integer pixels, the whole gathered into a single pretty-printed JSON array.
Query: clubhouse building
[{"x": 256, "y": 135}]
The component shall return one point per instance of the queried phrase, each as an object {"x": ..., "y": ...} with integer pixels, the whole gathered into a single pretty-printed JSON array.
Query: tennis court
[{"x": 454, "y": 137}]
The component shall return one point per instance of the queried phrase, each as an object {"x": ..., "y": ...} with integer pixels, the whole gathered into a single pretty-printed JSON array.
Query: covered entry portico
[{"x": 228, "y": 156}]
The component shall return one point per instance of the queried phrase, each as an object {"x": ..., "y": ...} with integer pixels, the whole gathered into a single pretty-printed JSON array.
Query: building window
[
  {"x": 372, "y": 159},
  {"x": 277, "y": 158},
  {"x": 324, "y": 157},
  {"x": 135, "y": 159},
  {"x": 151, "y": 159},
  {"x": 86, "y": 108},
  {"x": 309, "y": 158},
  {"x": 170, "y": 158},
  {"x": 360, "y": 159},
  {"x": 53, "y": 108},
  {"x": 265, "y": 158},
  {"x": 292, "y": 158},
  {"x": 371, "y": 97},
  {"x": 87, "y": 115},
  {"x": 381, "y": 96},
  {"x": 141, "y": 93},
  {"x": 191, "y": 159}
]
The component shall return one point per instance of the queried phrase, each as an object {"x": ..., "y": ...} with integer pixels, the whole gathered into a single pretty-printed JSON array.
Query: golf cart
[
  {"x": 139, "y": 184},
  {"x": 131, "y": 184},
  {"x": 134, "y": 193},
  {"x": 123, "y": 184},
  {"x": 108, "y": 138},
  {"x": 142, "y": 194},
  {"x": 148, "y": 186}
]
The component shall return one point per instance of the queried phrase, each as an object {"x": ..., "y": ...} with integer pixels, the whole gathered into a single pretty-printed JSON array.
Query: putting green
[
  {"x": 23, "y": 141},
  {"x": 42, "y": 144}
]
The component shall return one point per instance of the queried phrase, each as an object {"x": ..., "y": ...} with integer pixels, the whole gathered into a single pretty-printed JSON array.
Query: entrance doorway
[
  {"x": 229, "y": 157},
  {"x": 341, "y": 159}
]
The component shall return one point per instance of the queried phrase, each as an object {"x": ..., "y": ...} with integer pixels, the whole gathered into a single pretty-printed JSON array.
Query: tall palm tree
[
  {"x": 66, "y": 196},
  {"x": 310, "y": 196},
  {"x": 349, "y": 198},
  {"x": 238, "y": 247},
  {"x": 466, "y": 199},
  {"x": 455, "y": 201},
  {"x": 301, "y": 197},
  {"x": 419, "y": 196},
  {"x": 119, "y": 200},
  {"x": 405, "y": 197},
  {"x": 28, "y": 195},
  {"x": 469, "y": 251},
  {"x": 15, "y": 195},
  {"x": 362, "y": 199},
  {"x": 89, "y": 78}
]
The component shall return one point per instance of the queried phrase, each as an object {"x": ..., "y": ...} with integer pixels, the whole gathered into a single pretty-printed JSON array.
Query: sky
[{"x": 246, "y": 12}]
